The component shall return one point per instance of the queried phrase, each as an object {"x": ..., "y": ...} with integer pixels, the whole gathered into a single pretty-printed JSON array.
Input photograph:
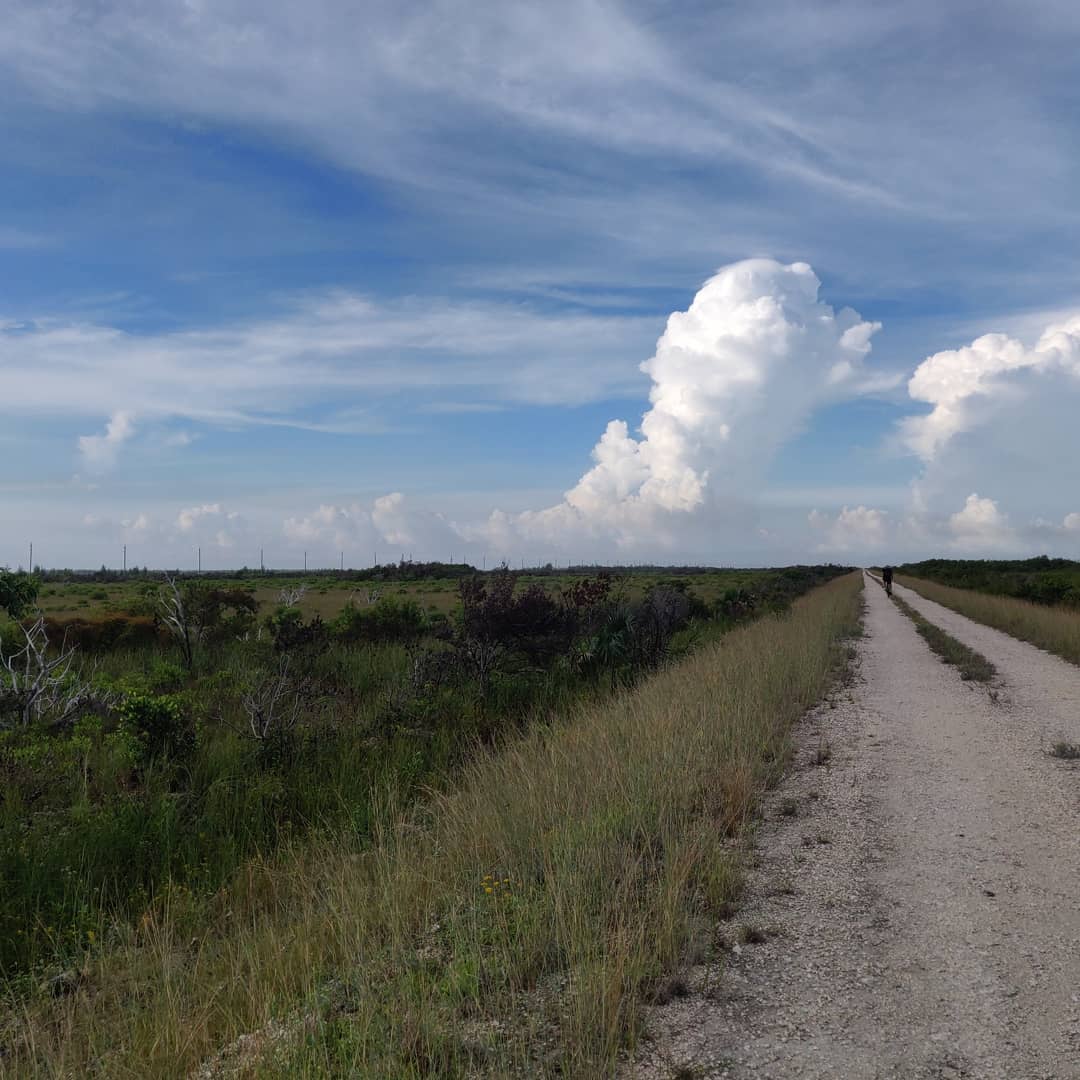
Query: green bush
[
  {"x": 159, "y": 722},
  {"x": 18, "y": 592},
  {"x": 389, "y": 619}
]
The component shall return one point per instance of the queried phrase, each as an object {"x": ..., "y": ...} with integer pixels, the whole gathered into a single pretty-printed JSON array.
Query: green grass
[
  {"x": 1055, "y": 629},
  {"x": 402, "y": 958},
  {"x": 973, "y": 666}
]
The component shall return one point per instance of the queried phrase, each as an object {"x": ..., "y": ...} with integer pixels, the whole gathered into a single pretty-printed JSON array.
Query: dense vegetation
[
  {"x": 1041, "y": 580},
  {"x": 514, "y": 924},
  {"x": 160, "y": 735}
]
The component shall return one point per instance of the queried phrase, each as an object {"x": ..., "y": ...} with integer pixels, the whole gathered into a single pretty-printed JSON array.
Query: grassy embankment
[
  {"x": 405, "y": 959},
  {"x": 1055, "y": 629},
  {"x": 168, "y": 786}
]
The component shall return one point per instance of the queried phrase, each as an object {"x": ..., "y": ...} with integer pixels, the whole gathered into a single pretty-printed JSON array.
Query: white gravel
[{"x": 924, "y": 901}]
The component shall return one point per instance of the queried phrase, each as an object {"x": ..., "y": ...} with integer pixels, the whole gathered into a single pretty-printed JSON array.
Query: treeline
[
  {"x": 406, "y": 570},
  {"x": 1042, "y": 580}
]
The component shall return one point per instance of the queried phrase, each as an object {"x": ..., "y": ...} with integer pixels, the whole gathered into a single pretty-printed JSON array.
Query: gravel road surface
[{"x": 916, "y": 880}]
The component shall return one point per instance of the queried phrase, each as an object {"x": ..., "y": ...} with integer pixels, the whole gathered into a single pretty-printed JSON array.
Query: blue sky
[{"x": 275, "y": 263}]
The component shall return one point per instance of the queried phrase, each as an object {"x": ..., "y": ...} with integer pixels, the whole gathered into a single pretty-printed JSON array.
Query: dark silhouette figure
[{"x": 886, "y": 579}]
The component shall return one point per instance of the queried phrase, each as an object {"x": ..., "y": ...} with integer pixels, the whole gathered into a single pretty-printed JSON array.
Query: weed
[
  {"x": 751, "y": 934},
  {"x": 822, "y": 755},
  {"x": 670, "y": 988},
  {"x": 789, "y": 807},
  {"x": 687, "y": 1072},
  {"x": 782, "y": 887},
  {"x": 1067, "y": 751}
]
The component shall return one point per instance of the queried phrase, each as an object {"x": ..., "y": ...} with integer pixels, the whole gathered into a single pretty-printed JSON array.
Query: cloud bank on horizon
[{"x": 734, "y": 378}]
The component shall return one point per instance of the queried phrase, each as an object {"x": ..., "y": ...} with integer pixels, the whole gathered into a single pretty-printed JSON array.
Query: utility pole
[
  {"x": 200, "y": 561},
  {"x": 305, "y": 562},
  {"x": 343, "y": 562},
  {"x": 262, "y": 564},
  {"x": 125, "y": 558},
  {"x": 30, "y": 568}
]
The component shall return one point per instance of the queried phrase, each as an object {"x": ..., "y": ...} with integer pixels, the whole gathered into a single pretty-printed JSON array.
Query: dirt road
[{"x": 918, "y": 889}]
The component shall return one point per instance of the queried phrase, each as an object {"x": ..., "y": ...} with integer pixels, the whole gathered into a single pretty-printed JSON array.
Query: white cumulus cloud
[
  {"x": 854, "y": 529},
  {"x": 980, "y": 524},
  {"x": 99, "y": 452},
  {"x": 734, "y": 377},
  {"x": 1003, "y": 415},
  {"x": 968, "y": 386}
]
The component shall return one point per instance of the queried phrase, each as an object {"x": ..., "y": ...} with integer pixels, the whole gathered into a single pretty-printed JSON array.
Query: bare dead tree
[
  {"x": 273, "y": 707},
  {"x": 177, "y": 619},
  {"x": 44, "y": 686},
  {"x": 291, "y": 596},
  {"x": 481, "y": 658}
]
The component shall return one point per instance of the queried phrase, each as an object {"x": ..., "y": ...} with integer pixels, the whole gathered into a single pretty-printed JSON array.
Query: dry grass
[
  {"x": 1057, "y": 630},
  {"x": 605, "y": 835}
]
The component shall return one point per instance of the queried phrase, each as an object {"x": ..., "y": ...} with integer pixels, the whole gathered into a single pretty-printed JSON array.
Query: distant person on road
[{"x": 886, "y": 579}]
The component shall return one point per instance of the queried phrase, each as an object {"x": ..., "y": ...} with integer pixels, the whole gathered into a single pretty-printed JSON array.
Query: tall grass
[
  {"x": 607, "y": 836},
  {"x": 1055, "y": 629}
]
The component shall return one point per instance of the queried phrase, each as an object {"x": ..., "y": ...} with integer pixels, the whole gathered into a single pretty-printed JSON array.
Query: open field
[
  {"x": 1053, "y": 628},
  {"x": 327, "y": 593},
  {"x": 519, "y": 920}
]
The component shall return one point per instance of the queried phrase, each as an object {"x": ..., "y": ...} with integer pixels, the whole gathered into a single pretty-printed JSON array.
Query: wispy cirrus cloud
[{"x": 325, "y": 362}]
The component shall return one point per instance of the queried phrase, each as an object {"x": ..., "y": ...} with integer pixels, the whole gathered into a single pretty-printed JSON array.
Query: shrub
[
  {"x": 289, "y": 631},
  {"x": 159, "y": 722},
  {"x": 388, "y": 619},
  {"x": 18, "y": 592},
  {"x": 104, "y": 635}
]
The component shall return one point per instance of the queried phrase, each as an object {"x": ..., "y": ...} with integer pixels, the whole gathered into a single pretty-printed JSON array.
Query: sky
[{"x": 722, "y": 283}]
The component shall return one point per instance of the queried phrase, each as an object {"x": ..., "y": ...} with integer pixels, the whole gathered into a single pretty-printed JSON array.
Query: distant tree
[{"x": 18, "y": 592}]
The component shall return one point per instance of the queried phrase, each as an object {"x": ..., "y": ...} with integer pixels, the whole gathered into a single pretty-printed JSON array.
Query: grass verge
[
  {"x": 973, "y": 666},
  {"x": 1055, "y": 629},
  {"x": 515, "y": 925}
]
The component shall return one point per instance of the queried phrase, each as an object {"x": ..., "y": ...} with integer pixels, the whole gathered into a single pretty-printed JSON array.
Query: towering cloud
[
  {"x": 969, "y": 386},
  {"x": 735, "y": 376}
]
